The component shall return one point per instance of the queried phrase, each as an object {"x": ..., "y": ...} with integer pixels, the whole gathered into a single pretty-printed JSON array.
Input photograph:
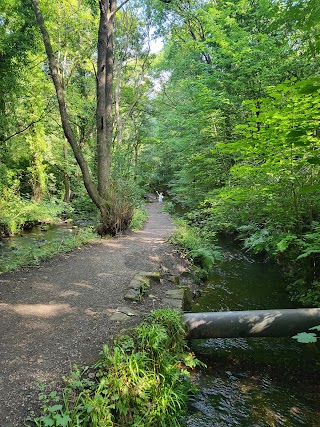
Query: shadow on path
[{"x": 58, "y": 314}]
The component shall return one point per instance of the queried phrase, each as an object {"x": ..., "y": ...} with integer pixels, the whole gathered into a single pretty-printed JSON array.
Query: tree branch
[
  {"x": 120, "y": 7},
  {"x": 23, "y": 130}
]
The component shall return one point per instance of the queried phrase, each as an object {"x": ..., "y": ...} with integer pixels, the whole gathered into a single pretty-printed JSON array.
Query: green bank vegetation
[
  {"x": 44, "y": 249},
  {"x": 142, "y": 380},
  {"x": 200, "y": 248}
]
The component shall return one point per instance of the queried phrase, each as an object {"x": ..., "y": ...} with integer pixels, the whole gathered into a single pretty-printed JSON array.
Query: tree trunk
[
  {"x": 104, "y": 111},
  {"x": 63, "y": 110},
  {"x": 104, "y": 115},
  {"x": 117, "y": 102}
]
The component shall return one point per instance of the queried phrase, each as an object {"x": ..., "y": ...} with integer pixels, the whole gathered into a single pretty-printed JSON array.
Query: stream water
[
  {"x": 28, "y": 240},
  {"x": 253, "y": 382}
]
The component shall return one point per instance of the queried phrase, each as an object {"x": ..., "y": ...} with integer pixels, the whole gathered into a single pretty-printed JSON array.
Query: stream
[
  {"x": 28, "y": 240},
  {"x": 252, "y": 382}
]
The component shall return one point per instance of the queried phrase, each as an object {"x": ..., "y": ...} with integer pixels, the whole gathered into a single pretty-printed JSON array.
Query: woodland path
[{"x": 59, "y": 314}]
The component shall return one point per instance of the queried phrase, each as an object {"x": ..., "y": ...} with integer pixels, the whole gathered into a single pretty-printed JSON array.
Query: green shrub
[
  {"x": 139, "y": 218},
  {"x": 82, "y": 206},
  {"x": 37, "y": 253},
  {"x": 202, "y": 252},
  {"x": 142, "y": 381},
  {"x": 16, "y": 212},
  {"x": 123, "y": 198}
]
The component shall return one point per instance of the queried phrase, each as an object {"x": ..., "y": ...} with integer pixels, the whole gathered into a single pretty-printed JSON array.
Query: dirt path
[{"x": 59, "y": 313}]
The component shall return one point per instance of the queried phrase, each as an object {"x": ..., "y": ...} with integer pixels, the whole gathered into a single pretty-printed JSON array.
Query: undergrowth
[
  {"x": 143, "y": 380},
  {"x": 202, "y": 252},
  {"x": 20, "y": 257},
  {"x": 15, "y": 213},
  {"x": 139, "y": 218}
]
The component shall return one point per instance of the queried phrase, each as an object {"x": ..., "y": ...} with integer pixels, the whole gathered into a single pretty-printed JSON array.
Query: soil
[{"x": 59, "y": 313}]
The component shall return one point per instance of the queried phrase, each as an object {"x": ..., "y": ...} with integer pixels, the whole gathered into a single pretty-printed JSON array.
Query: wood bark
[
  {"x": 93, "y": 193},
  {"x": 117, "y": 102},
  {"x": 105, "y": 78}
]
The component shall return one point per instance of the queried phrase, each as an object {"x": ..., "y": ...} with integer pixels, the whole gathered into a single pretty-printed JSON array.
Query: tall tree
[{"x": 98, "y": 189}]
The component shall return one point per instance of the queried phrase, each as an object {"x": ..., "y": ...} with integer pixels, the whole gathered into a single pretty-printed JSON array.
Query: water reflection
[
  {"x": 255, "y": 381},
  {"x": 235, "y": 398},
  {"x": 29, "y": 240}
]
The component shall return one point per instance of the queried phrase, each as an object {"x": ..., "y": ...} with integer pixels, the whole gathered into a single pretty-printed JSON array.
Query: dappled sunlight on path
[
  {"x": 37, "y": 310},
  {"x": 58, "y": 314}
]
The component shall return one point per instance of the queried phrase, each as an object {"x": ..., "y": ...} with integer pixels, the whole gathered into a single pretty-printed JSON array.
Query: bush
[
  {"x": 202, "y": 252},
  {"x": 123, "y": 198},
  {"x": 139, "y": 218},
  {"x": 16, "y": 212},
  {"x": 34, "y": 254},
  {"x": 142, "y": 381}
]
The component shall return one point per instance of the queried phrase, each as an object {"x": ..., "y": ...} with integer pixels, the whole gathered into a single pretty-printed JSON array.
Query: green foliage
[
  {"x": 235, "y": 136},
  {"x": 140, "y": 381},
  {"x": 259, "y": 241},
  {"x": 81, "y": 207},
  {"x": 16, "y": 213},
  {"x": 123, "y": 197},
  {"x": 20, "y": 257},
  {"x": 271, "y": 199},
  {"x": 139, "y": 218},
  {"x": 201, "y": 251}
]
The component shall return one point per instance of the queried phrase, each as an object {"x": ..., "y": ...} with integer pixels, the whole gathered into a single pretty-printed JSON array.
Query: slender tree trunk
[
  {"x": 136, "y": 154},
  {"x": 66, "y": 178},
  {"x": 63, "y": 110},
  {"x": 117, "y": 102}
]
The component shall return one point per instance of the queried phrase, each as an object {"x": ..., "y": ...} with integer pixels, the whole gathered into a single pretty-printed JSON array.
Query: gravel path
[{"x": 58, "y": 314}]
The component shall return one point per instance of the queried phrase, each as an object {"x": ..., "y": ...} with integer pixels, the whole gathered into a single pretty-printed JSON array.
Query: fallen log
[{"x": 254, "y": 323}]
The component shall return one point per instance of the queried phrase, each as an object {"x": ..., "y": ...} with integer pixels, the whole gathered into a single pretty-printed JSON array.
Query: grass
[
  {"x": 34, "y": 254},
  {"x": 143, "y": 380}
]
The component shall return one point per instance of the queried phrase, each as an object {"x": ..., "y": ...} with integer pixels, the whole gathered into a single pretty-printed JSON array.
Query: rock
[
  {"x": 128, "y": 311},
  {"x": 175, "y": 294},
  {"x": 133, "y": 295},
  {"x": 119, "y": 317},
  {"x": 140, "y": 283},
  {"x": 174, "y": 303},
  {"x": 187, "y": 298}
]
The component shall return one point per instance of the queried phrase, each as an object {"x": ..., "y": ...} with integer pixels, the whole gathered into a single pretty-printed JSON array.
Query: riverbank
[{"x": 63, "y": 311}]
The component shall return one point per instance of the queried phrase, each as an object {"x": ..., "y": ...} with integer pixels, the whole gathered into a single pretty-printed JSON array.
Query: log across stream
[{"x": 256, "y": 381}]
